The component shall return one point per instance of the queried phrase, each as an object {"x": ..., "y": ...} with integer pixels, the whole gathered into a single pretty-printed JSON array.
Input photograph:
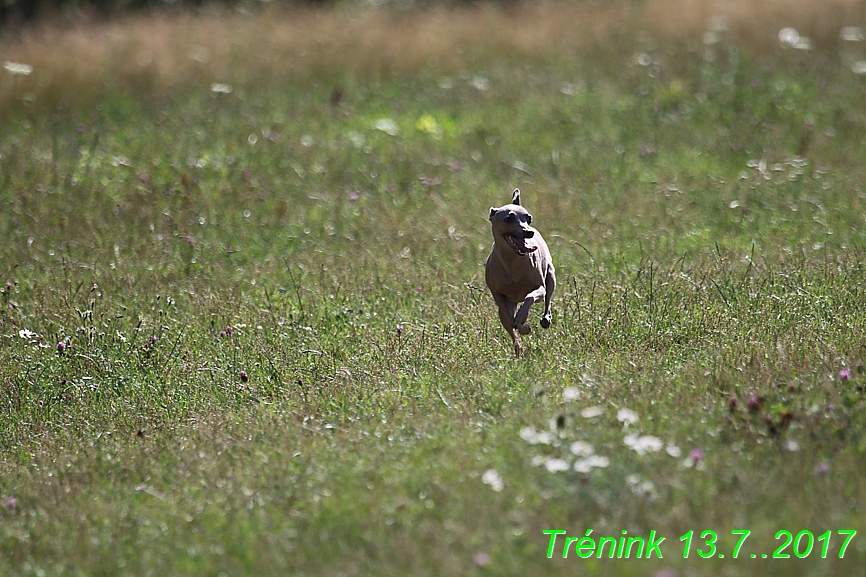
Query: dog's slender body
[{"x": 519, "y": 269}]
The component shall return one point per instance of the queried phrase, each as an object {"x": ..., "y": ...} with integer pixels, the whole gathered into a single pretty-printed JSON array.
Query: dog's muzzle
[{"x": 519, "y": 244}]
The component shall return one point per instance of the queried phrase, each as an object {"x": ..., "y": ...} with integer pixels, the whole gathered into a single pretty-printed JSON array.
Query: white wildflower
[
  {"x": 790, "y": 37},
  {"x": 642, "y": 59},
  {"x": 221, "y": 88},
  {"x": 591, "y": 412},
  {"x": 27, "y": 334},
  {"x": 529, "y": 435},
  {"x": 492, "y": 478},
  {"x": 586, "y": 465},
  {"x": 581, "y": 449},
  {"x": 571, "y": 88},
  {"x": 556, "y": 465},
  {"x": 626, "y": 416},
  {"x": 387, "y": 126},
  {"x": 539, "y": 460},
  {"x": 544, "y": 438},
  {"x": 534, "y": 437},
  {"x": 17, "y": 68},
  {"x": 642, "y": 444},
  {"x": 480, "y": 83},
  {"x": 641, "y": 487},
  {"x": 852, "y": 34}
]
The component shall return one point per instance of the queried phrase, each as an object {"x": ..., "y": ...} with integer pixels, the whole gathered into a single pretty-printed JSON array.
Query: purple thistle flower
[
  {"x": 733, "y": 403},
  {"x": 399, "y": 329},
  {"x": 61, "y": 346},
  {"x": 244, "y": 376},
  {"x": 696, "y": 455},
  {"x": 822, "y": 467},
  {"x": 844, "y": 374},
  {"x": 755, "y": 403},
  {"x": 229, "y": 330}
]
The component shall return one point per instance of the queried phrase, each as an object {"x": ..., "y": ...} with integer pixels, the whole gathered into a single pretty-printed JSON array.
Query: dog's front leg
[{"x": 536, "y": 296}]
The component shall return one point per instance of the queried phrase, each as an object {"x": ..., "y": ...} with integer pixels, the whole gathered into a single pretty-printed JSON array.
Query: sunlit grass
[{"x": 244, "y": 326}]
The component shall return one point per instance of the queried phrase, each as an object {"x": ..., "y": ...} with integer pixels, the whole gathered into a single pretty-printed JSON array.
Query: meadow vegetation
[{"x": 244, "y": 326}]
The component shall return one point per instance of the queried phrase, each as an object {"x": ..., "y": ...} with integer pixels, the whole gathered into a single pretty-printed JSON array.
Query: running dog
[{"x": 519, "y": 269}]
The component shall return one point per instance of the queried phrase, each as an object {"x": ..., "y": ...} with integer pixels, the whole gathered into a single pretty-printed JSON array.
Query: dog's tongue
[{"x": 522, "y": 244}]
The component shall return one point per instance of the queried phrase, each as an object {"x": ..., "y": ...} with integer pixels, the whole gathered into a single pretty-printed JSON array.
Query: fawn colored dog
[{"x": 519, "y": 269}]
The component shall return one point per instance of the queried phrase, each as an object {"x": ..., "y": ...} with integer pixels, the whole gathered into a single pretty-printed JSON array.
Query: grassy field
[{"x": 244, "y": 325}]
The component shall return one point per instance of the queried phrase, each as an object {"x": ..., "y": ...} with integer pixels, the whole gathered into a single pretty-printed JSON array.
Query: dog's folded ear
[
  {"x": 492, "y": 213},
  {"x": 515, "y": 197}
]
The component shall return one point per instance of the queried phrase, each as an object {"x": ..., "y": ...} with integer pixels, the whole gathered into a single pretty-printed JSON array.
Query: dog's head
[{"x": 511, "y": 225}]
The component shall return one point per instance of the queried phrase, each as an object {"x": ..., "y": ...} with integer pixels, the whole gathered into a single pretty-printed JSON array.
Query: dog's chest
[{"x": 515, "y": 277}]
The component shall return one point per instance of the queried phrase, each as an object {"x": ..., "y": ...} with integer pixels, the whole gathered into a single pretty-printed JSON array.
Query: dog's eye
[
  {"x": 509, "y": 218},
  {"x": 528, "y": 219}
]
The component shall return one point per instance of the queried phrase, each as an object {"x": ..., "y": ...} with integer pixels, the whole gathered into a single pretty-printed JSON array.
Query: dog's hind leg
[
  {"x": 506, "y": 317},
  {"x": 550, "y": 286}
]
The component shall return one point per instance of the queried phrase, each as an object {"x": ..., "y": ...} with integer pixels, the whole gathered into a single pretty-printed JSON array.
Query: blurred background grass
[{"x": 77, "y": 53}]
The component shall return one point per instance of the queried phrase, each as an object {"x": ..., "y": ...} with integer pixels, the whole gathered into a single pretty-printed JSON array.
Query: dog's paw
[
  {"x": 545, "y": 322},
  {"x": 524, "y": 329}
]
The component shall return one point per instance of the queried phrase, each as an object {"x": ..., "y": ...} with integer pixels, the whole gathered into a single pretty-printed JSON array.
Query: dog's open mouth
[{"x": 519, "y": 245}]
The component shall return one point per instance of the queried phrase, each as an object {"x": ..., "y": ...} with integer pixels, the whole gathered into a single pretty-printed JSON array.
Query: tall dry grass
[{"x": 76, "y": 59}]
